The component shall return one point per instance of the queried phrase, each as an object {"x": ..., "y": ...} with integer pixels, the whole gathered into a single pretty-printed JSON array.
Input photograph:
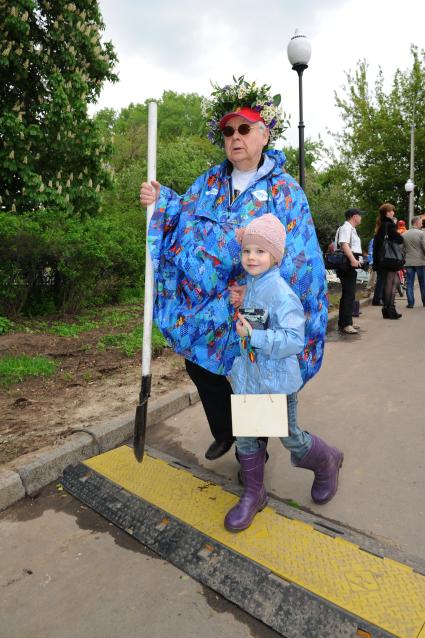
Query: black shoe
[
  {"x": 217, "y": 449},
  {"x": 409, "y": 306},
  {"x": 377, "y": 303},
  {"x": 390, "y": 313}
]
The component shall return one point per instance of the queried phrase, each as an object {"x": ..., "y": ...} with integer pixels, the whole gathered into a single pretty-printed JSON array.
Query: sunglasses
[{"x": 243, "y": 129}]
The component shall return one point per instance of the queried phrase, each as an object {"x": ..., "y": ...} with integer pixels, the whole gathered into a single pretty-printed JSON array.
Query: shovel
[{"x": 142, "y": 409}]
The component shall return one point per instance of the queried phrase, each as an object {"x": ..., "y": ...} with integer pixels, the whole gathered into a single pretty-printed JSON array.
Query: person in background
[
  {"x": 414, "y": 243},
  {"x": 372, "y": 274},
  {"x": 375, "y": 279},
  {"x": 385, "y": 227},
  {"x": 401, "y": 228},
  {"x": 348, "y": 241}
]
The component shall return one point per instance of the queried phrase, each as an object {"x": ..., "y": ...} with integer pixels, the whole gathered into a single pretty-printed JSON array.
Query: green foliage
[
  {"x": 18, "y": 368},
  {"x": 5, "y": 325},
  {"x": 130, "y": 343},
  {"x": 181, "y": 160},
  {"x": 327, "y": 188},
  {"x": 79, "y": 324},
  {"x": 130, "y": 295},
  {"x": 67, "y": 263},
  {"x": 183, "y": 152},
  {"x": 329, "y": 196},
  {"x": 375, "y": 142},
  {"x": 52, "y": 64}
]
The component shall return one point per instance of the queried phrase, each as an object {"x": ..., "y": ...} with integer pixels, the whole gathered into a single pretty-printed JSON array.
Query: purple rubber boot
[
  {"x": 254, "y": 495},
  {"x": 325, "y": 462}
]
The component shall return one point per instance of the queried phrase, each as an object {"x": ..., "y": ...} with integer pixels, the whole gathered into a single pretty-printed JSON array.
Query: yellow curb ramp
[{"x": 385, "y": 594}]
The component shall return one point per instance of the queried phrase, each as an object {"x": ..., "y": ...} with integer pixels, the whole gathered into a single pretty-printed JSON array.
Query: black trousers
[
  {"x": 348, "y": 296},
  {"x": 214, "y": 392}
]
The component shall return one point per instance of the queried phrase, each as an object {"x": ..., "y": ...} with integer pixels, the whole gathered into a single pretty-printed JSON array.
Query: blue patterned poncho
[{"x": 196, "y": 257}]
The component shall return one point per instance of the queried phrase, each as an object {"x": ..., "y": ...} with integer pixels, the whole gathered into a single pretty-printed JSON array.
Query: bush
[
  {"x": 50, "y": 263},
  {"x": 5, "y": 325}
]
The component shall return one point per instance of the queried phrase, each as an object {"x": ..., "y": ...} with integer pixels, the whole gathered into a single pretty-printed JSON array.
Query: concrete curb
[{"x": 26, "y": 475}]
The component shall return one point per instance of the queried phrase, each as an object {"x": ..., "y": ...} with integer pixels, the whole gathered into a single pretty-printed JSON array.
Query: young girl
[{"x": 268, "y": 363}]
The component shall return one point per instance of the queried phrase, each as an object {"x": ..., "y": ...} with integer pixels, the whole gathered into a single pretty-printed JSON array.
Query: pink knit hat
[{"x": 267, "y": 232}]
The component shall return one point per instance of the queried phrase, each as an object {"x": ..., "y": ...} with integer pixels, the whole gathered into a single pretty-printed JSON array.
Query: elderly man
[
  {"x": 196, "y": 258},
  {"x": 414, "y": 243},
  {"x": 349, "y": 242}
]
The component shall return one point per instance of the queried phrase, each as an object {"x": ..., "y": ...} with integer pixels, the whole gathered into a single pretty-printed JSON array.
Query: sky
[{"x": 182, "y": 45}]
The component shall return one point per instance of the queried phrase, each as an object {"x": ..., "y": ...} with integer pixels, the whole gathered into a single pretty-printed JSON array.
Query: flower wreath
[{"x": 228, "y": 98}]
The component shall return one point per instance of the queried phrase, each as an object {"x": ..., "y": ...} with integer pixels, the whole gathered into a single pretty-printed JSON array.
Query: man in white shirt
[
  {"x": 414, "y": 243},
  {"x": 347, "y": 240}
]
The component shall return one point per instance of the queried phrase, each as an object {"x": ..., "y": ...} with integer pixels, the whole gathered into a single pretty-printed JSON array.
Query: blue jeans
[
  {"x": 298, "y": 442},
  {"x": 420, "y": 271}
]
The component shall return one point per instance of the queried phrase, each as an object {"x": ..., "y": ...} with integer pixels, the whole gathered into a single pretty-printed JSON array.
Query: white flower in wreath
[{"x": 242, "y": 91}]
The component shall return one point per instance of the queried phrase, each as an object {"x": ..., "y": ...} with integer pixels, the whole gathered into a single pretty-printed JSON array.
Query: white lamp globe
[
  {"x": 409, "y": 186},
  {"x": 299, "y": 49}
]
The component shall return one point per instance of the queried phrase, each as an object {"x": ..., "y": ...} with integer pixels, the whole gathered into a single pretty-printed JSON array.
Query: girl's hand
[
  {"x": 149, "y": 193},
  {"x": 243, "y": 327},
  {"x": 237, "y": 294}
]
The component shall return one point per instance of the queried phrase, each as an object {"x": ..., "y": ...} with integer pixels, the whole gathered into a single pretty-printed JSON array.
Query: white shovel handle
[{"x": 149, "y": 288}]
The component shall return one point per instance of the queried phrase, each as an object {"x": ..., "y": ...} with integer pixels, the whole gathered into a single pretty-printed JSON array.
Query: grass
[
  {"x": 130, "y": 343},
  {"x": 16, "y": 369},
  {"x": 90, "y": 320},
  {"x": 334, "y": 297}
]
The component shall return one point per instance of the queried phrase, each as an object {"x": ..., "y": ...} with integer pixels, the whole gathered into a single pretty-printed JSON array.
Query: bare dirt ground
[{"x": 89, "y": 386}]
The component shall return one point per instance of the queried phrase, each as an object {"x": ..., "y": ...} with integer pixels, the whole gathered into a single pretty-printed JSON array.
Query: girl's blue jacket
[
  {"x": 276, "y": 368},
  {"x": 196, "y": 257}
]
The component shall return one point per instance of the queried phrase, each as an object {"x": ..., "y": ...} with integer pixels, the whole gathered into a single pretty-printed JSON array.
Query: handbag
[
  {"x": 259, "y": 415},
  {"x": 392, "y": 255},
  {"x": 336, "y": 260}
]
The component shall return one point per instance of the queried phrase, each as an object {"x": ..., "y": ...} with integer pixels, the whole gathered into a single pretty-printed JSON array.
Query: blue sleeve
[
  {"x": 287, "y": 335},
  {"x": 165, "y": 219}
]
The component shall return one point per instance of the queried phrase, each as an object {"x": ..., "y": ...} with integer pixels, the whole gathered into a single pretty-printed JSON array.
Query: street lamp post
[
  {"x": 299, "y": 53},
  {"x": 409, "y": 187},
  {"x": 410, "y": 184}
]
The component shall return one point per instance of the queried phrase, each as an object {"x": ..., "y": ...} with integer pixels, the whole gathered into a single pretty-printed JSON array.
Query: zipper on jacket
[{"x": 266, "y": 177}]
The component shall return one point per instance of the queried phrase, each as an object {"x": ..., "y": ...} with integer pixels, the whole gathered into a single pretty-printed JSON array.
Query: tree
[
  {"x": 52, "y": 64},
  {"x": 375, "y": 142},
  {"x": 327, "y": 187},
  {"x": 183, "y": 150}
]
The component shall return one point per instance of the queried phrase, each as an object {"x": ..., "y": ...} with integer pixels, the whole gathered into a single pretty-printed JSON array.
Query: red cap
[{"x": 246, "y": 112}]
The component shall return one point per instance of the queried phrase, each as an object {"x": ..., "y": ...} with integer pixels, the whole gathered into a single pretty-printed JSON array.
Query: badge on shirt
[
  {"x": 262, "y": 196},
  {"x": 213, "y": 191}
]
